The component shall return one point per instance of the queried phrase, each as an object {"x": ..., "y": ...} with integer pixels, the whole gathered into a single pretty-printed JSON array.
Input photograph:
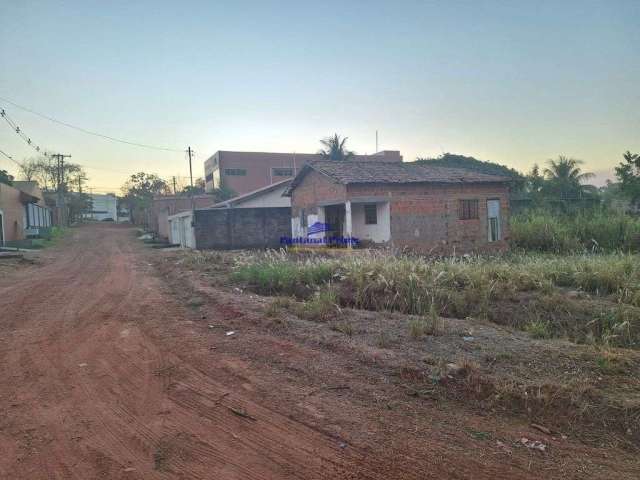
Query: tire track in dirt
[{"x": 88, "y": 395}]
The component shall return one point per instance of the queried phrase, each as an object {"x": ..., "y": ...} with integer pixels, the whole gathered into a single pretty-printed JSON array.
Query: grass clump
[
  {"x": 322, "y": 307},
  {"x": 277, "y": 305},
  {"x": 275, "y": 276},
  {"x": 417, "y": 328},
  {"x": 539, "y": 329}
]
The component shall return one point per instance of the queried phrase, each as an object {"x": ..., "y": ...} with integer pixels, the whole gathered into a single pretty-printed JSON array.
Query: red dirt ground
[{"x": 108, "y": 373}]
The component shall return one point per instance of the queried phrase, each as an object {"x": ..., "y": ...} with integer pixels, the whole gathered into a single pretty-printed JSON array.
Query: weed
[
  {"x": 539, "y": 329},
  {"x": 417, "y": 328},
  {"x": 277, "y": 305},
  {"x": 322, "y": 306},
  {"x": 343, "y": 327}
]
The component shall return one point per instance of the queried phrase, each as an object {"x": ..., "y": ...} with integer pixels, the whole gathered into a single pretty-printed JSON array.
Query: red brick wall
[
  {"x": 169, "y": 205},
  {"x": 315, "y": 188},
  {"x": 424, "y": 217}
]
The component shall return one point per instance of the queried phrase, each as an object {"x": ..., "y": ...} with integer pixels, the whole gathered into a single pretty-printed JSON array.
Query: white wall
[
  {"x": 104, "y": 203},
  {"x": 379, "y": 233},
  {"x": 269, "y": 199},
  {"x": 181, "y": 231}
]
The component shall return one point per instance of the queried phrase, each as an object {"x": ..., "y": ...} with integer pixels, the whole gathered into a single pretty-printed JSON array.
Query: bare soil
[{"x": 117, "y": 363}]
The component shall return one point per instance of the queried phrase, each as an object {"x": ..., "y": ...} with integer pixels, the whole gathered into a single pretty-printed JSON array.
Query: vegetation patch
[{"x": 584, "y": 297}]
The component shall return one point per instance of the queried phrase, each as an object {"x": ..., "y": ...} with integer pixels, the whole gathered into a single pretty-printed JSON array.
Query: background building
[
  {"x": 244, "y": 172},
  {"x": 103, "y": 207}
]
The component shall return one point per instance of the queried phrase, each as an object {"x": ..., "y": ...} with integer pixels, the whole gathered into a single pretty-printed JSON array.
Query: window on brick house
[
  {"x": 371, "y": 214},
  {"x": 240, "y": 172},
  {"x": 468, "y": 209}
]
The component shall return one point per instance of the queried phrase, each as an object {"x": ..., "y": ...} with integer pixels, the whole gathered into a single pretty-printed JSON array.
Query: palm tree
[
  {"x": 335, "y": 148},
  {"x": 565, "y": 178}
]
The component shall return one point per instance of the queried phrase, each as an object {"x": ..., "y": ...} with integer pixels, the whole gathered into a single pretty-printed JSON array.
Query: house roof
[
  {"x": 350, "y": 172},
  {"x": 29, "y": 187},
  {"x": 250, "y": 195}
]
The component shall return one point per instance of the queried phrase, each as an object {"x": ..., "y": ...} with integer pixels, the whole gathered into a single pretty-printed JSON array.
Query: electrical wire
[
  {"x": 10, "y": 158},
  {"x": 90, "y": 132},
  {"x": 20, "y": 132}
]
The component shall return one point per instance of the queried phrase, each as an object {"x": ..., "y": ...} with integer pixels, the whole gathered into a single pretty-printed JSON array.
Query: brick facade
[
  {"x": 313, "y": 190},
  {"x": 424, "y": 217}
]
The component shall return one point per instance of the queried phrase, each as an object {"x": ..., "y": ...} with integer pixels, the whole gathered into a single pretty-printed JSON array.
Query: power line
[
  {"x": 90, "y": 132},
  {"x": 10, "y": 158},
  {"x": 20, "y": 132}
]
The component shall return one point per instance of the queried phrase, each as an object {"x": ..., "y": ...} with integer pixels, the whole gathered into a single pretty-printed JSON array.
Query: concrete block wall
[{"x": 231, "y": 228}]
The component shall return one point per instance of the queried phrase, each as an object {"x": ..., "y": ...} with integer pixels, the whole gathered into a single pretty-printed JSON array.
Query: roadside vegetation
[
  {"x": 582, "y": 297},
  {"x": 593, "y": 230}
]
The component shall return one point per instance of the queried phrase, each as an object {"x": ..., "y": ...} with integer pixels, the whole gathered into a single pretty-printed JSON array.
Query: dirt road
[{"x": 107, "y": 373}]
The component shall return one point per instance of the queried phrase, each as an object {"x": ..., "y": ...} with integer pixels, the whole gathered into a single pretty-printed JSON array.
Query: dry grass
[{"x": 587, "y": 298}]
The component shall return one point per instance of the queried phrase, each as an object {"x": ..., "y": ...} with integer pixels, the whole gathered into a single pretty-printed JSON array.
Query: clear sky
[{"x": 515, "y": 82}]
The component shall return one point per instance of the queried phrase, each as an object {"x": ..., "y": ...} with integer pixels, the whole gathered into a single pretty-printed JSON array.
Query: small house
[{"x": 432, "y": 210}]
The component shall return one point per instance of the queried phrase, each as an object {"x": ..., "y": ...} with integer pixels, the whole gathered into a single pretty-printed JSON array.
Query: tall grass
[
  {"x": 594, "y": 230},
  {"x": 525, "y": 291}
]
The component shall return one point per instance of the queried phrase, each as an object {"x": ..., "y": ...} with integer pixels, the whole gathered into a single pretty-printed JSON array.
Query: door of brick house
[{"x": 334, "y": 216}]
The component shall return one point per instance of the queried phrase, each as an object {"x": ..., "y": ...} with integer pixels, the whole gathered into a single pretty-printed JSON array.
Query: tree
[
  {"x": 6, "y": 178},
  {"x": 78, "y": 204},
  {"x": 628, "y": 174},
  {"x": 535, "y": 181},
  {"x": 564, "y": 179},
  {"x": 197, "y": 189},
  {"x": 45, "y": 171},
  {"x": 139, "y": 190},
  {"x": 452, "y": 160},
  {"x": 334, "y": 148},
  {"x": 223, "y": 193},
  {"x": 29, "y": 170}
]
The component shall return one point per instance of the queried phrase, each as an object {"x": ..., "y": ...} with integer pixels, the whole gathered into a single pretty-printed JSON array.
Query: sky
[{"x": 514, "y": 82}]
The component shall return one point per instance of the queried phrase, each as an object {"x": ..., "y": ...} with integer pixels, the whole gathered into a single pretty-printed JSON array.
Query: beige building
[{"x": 23, "y": 212}]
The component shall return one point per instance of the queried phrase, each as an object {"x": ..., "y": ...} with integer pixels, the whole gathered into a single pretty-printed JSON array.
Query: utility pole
[
  {"x": 376, "y": 141},
  {"x": 189, "y": 151},
  {"x": 193, "y": 205},
  {"x": 60, "y": 203},
  {"x": 174, "y": 185}
]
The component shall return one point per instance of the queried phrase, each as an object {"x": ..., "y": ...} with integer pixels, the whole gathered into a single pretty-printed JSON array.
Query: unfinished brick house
[{"x": 430, "y": 210}]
